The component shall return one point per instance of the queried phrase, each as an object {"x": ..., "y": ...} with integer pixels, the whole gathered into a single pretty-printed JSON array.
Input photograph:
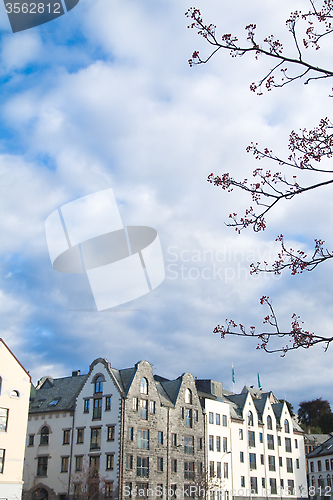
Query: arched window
[
  {"x": 188, "y": 396},
  {"x": 14, "y": 394},
  {"x": 144, "y": 386},
  {"x": 250, "y": 418},
  {"x": 313, "y": 481},
  {"x": 329, "y": 482},
  {"x": 321, "y": 483},
  {"x": 286, "y": 426},
  {"x": 99, "y": 384},
  {"x": 269, "y": 423},
  {"x": 44, "y": 435}
]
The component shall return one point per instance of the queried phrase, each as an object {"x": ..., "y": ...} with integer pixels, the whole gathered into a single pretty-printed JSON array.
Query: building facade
[
  {"x": 131, "y": 434},
  {"x": 320, "y": 469},
  {"x": 14, "y": 403}
]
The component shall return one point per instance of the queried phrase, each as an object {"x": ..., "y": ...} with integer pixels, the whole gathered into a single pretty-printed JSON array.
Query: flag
[
  {"x": 259, "y": 383},
  {"x": 233, "y": 375}
]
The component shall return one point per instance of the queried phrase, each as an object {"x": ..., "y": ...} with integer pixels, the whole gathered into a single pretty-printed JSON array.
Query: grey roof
[
  {"x": 126, "y": 377},
  {"x": 165, "y": 401},
  {"x": 323, "y": 449},
  {"x": 65, "y": 390},
  {"x": 315, "y": 439},
  {"x": 277, "y": 408},
  {"x": 171, "y": 388},
  {"x": 239, "y": 400},
  {"x": 260, "y": 405}
]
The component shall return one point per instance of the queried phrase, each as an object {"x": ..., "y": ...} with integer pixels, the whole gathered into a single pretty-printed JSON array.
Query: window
[
  {"x": 174, "y": 439},
  {"x": 200, "y": 468},
  {"x": 242, "y": 481},
  {"x": 77, "y": 491},
  {"x": 262, "y": 459},
  {"x": 64, "y": 464},
  {"x": 129, "y": 461},
  {"x": 211, "y": 417},
  {"x": 110, "y": 432},
  {"x": 188, "y": 418},
  {"x": 189, "y": 445},
  {"x": 280, "y": 461},
  {"x": 218, "y": 443},
  {"x": 240, "y": 433},
  {"x": 211, "y": 443},
  {"x": 211, "y": 469},
  {"x": 321, "y": 482},
  {"x": 80, "y": 436},
  {"x": 311, "y": 467},
  {"x": 181, "y": 412},
  {"x": 99, "y": 384},
  {"x": 152, "y": 407},
  {"x": 224, "y": 420},
  {"x": 174, "y": 465},
  {"x": 78, "y": 463},
  {"x": 108, "y": 489},
  {"x": 329, "y": 482},
  {"x": 291, "y": 487},
  {"x": 282, "y": 483},
  {"x": 218, "y": 470},
  {"x": 85, "y": 407},
  {"x": 297, "y": 464},
  {"x": 270, "y": 441},
  {"x": 225, "y": 470},
  {"x": 189, "y": 470},
  {"x": 2, "y": 460},
  {"x": 0, "y": 384},
  {"x": 331, "y": 463},
  {"x": 263, "y": 482},
  {"x": 130, "y": 433},
  {"x": 296, "y": 443},
  {"x": 94, "y": 462},
  {"x": 279, "y": 440},
  {"x": 107, "y": 403},
  {"x": 144, "y": 386},
  {"x": 97, "y": 410},
  {"x": 218, "y": 419},
  {"x": 327, "y": 464},
  {"x": 144, "y": 409},
  {"x": 319, "y": 466},
  {"x": 135, "y": 404},
  {"x": 196, "y": 415},
  {"x": 241, "y": 456},
  {"x": 252, "y": 441},
  {"x": 254, "y": 485},
  {"x": 95, "y": 438},
  {"x": 159, "y": 464},
  {"x": 109, "y": 461},
  {"x": 44, "y": 435},
  {"x": 142, "y": 466},
  {"x": 289, "y": 463},
  {"x": 252, "y": 460},
  {"x": 159, "y": 491},
  {"x": 272, "y": 484},
  {"x": 225, "y": 444},
  {"x": 250, "y": 418},
  {"x": 143, "y": 439},
  {"x": 269, "y": 423},
  {"x": 288, "y": 444},
  {"x": 286, "y": 426},
  {"x": 31, "y": 439},
  {"x": 160, "y": 437},
  {"x": 173, "y": 491},
  {"x": 66, "y": 437},
  {"x": 188, "y": 396},
  {"x": 260, "y": 437},
  {"x": 142, "y": 490},
  {"x": 42, "y": 466},
  {"x": 199, "y": 443},
  {"x": 271, "y": 463}
]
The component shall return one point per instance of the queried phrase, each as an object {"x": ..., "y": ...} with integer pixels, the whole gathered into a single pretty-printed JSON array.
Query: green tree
[{"x": 311, "y": 412}]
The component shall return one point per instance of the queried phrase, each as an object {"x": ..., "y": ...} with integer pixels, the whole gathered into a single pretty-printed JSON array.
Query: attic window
[
  {"x": 330, "y": 446},
  {"x": 54, "y": 402},
  {"x": 14, "y": 394},
  {"x": 39, "y": 403}
]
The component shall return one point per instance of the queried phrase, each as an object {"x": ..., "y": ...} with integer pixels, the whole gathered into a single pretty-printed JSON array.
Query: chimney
[{"x": 76, "y": 373}]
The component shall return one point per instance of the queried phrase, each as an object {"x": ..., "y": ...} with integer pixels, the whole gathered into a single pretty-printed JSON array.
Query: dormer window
[
  {"x": 99, "y": 384},
  {"x": 144, "y": 386},
  {"x": 188, "y": 396},
  {"x": 54, "y": 402}
]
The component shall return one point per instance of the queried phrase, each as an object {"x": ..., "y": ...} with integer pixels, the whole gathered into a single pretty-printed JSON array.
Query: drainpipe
[{"x": 168, "y": 451}]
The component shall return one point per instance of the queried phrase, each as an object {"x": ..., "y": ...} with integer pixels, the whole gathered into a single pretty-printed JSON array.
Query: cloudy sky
[{"x": 104, "y": 97}]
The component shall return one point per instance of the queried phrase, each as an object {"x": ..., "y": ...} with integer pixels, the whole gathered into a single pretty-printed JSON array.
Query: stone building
[
  {"x": 320, "y": 469},
  {"x": 113, "y": 433}
]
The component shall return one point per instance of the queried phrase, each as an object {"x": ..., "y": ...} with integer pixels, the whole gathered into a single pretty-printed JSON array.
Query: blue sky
[{"x": 103, "y": 97}]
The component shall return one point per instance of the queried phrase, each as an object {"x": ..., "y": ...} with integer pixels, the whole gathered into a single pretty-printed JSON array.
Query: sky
[{"x": 103, "y": 97}]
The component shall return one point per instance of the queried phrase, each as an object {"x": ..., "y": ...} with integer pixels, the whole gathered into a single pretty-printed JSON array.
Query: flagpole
[{"x": 233, "y": 377}]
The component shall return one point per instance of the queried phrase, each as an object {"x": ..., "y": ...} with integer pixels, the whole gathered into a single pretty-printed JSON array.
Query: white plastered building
[{"x": 14, "y": 403}]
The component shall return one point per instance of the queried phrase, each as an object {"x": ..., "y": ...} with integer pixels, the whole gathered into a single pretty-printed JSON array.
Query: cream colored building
[{"x": 14, "y": 403}]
